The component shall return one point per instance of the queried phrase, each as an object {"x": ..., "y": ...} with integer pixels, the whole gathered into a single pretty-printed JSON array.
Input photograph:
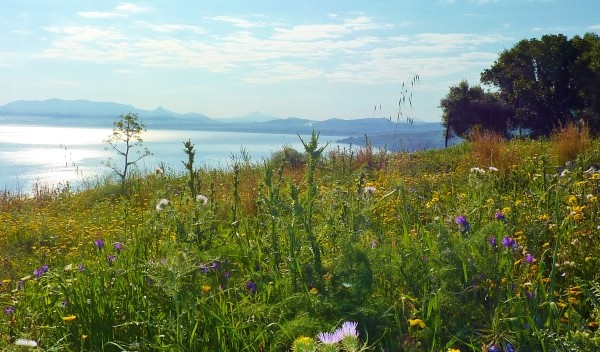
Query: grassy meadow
[{"x": 489, "y": 245}]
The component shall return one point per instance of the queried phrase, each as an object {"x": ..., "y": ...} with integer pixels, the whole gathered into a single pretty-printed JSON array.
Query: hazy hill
[{"x": 381, "y": 131}]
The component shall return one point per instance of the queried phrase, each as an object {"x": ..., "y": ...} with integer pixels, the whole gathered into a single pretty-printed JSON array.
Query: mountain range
[{"x": 84, "y": 113}]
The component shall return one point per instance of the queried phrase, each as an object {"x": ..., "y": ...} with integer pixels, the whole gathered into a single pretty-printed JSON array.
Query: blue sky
[{"x": 308, "y": 59}]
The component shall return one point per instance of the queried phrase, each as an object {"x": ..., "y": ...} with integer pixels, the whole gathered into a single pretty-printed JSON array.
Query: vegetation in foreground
[{"x": 489, "y": 245}]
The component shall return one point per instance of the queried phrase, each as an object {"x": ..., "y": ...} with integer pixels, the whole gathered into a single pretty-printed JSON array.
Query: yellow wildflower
[
  {"x": 69, "y": 318},
  {"x": 206, "y": 288},
  {"x": 314, "y": 291},
  {"x": 453, "y": 350},
  {"x": 417, "y": 322}
]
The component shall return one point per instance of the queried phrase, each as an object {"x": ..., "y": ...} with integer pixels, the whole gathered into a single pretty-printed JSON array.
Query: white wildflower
[
  {"x": 25, "y": 343},
  {"x": 162, "y": 204},
  {"x": 478, "y": 170},
  {"x": 202, "y": 198},
  {"x": 370, "y": 190}
]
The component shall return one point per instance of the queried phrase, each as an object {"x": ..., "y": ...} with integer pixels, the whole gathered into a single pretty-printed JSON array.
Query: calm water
[{"x": 56, "y": 155}]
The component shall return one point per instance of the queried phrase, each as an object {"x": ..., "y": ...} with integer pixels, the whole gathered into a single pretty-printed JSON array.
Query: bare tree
[{"x": 126, "y": 137}]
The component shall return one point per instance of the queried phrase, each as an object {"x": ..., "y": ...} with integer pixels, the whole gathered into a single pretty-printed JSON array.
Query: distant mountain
[
  {"x": 255, "y": 116},
  {"x": 87, "y": 113},
  {"x": 64, "y": 108},
  {"x": 92, "y": 113}
]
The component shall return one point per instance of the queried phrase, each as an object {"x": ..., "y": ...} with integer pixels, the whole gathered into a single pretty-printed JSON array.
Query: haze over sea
[{"x": 54, "y": 156}]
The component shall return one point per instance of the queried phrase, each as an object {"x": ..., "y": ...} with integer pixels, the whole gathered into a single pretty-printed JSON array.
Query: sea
[{"x": 34, "y": 157}]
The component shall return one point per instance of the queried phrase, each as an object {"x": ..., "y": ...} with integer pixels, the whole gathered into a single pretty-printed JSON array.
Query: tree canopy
[{"x": 537, "y": 85}]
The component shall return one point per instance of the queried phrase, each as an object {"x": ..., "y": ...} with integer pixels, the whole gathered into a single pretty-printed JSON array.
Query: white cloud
[
  {"x": 128, "y": 7},
  {"x": 238, "y": 22},
  {"x": 342, "y": 49},
  {"x": 168, "y": 28},
  {"x": 595, "y": 27},
  {"x": 122, "y": 10},
  {"x": 311, "y": 32}
]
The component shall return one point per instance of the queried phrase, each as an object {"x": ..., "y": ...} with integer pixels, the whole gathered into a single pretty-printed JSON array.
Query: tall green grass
[{"x": 431, "y": 251}]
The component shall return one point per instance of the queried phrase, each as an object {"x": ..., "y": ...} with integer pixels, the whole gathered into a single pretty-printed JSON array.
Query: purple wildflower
[
  {"x": 499, "y": 216},
  {"x": 529, "y": 258},
  {"x": 373, "y": 244},
  {"x": 226, "y": 275},
  {"x": 530, "y": 295},
  {"x": 40, "y": 271},
  {"x": 463, "y": 224},
  {"x": 510, "y": 347},
  {"x": 118, "y": 246},
  {"x": 493, "y": 242},
  {"x": 111, "y": 258},
  {"x": 81, "y": 267},
  {"x": 328, "y": 338},
  {"x": 9, "y": 310},
  {"x": 493, "y": 348},
  {"x": 348, "y": 329},
  {"x": 251, "y": 286},
  {"x": 509, "y": 242},
  {"x": 99, "y": 243}
]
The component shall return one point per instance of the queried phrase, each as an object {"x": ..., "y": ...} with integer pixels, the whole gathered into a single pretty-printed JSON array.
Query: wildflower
[
  {"x": 9, "y": 310},
  {"x": 373, "y": 244},
  {"x": 463, "y": 224},
  {"x": 251, "y": 286},
  {"x": 348, "y": 329},
  {"x": 477, "y": 170},
  {"x": 25, "y": 343},
  {"x": 40, "y": 271},
  {"x": 493, "y": 348},
  {"x": 328, "y": 338},
  {"x": 202, "y": 198},
  {"x": 493, "y": 169},
  {"x": 510, "y": 347},
  {"x": 509, "y": 242},
  {"x": 529, "y": 258},
  {"x": 162, "y": 204},
  {"x": 530, "y": 295},
  {"x": 417, "y": 322},
  {"x": 80, "y": 267},
  {"x": 206, "y": 288},
  {"x": 453, "y": 350},
  {"x": 118, "y": 246},
  {"x": 499, "y": 216},
  {"x": 348, "y": 336},
  {"x": 369, "y": 190},
  {"x": 111, "y": 258},
  {"x": 493, "y": 242},
  {"x": 69, "y": 318},
  {"x": 99, "y": 243},
  {"x": 303, "y": 344}
]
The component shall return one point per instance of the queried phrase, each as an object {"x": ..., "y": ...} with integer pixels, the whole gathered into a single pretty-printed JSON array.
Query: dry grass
[
  {"x": 570, "y": 141},
  {"x": 489, "y": 150}
]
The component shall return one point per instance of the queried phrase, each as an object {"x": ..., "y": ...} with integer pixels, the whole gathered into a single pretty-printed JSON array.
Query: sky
[{"x": 308, "y": 59}]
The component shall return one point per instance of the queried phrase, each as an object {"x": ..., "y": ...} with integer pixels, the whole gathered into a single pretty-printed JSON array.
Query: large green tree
[
  {"x": 467, "y": 107},
  {"x": 586, "y": 73},
  {"x": 534, "y": 77}
]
